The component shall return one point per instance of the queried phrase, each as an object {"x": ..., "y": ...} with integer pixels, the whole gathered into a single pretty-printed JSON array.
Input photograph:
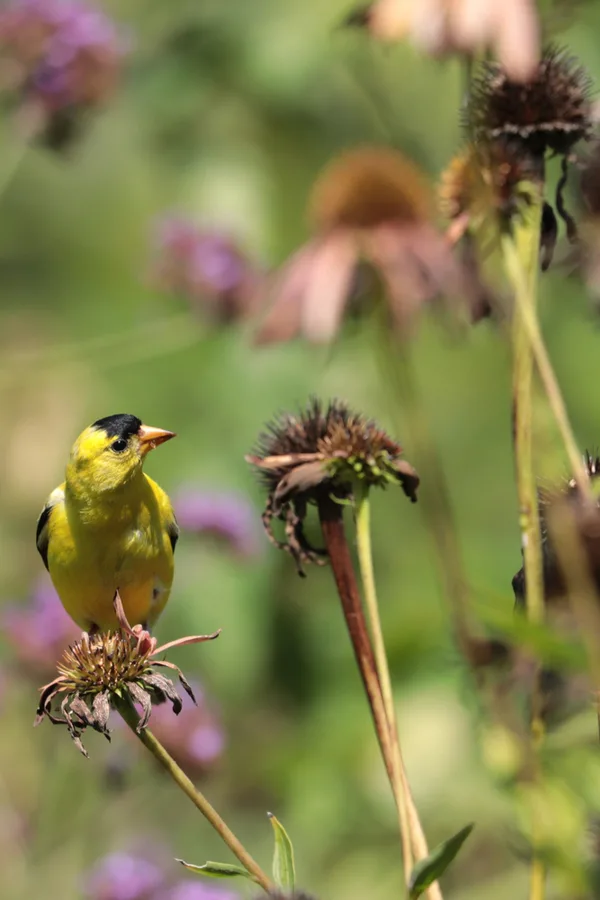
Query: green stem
[
  {"x": 410, "y": 816},
  {"x": 132, "y": 719},
  {"x": 521, "y": 258},
  {"x": 433, "y": 490},
  {"x": 531, "y": 335}
]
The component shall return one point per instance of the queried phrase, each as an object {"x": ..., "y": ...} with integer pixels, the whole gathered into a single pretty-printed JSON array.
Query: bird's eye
[{"x": 119, "y": 445}]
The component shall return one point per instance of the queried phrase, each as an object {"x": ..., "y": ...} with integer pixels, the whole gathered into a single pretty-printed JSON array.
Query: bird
[{"x": 110, "y": 527}]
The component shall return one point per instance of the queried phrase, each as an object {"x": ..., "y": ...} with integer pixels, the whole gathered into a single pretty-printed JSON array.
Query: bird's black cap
[{"x": 121, "y": 425}]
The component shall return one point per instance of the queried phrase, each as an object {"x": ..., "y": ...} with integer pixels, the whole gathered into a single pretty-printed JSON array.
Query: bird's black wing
[
  {"x": 173, "y": 532},
  {"x": 42, "y": 534}
]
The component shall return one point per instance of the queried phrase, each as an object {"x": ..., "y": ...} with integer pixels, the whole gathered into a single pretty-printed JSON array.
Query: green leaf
[
  {"x": 217, "y": 870},
  {"x": 429, "y": 870},
  {"x": 284, "y": 874}
]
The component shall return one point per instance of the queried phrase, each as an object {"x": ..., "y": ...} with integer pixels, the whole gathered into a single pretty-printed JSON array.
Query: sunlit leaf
[
  {"x": 284, "y": 873},
  {"x": 217, "y": 870},
  {"x": 429, "y": 870}
]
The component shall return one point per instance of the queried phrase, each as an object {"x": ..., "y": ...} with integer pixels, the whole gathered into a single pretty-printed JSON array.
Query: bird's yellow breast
[{"x": 122, "y": 543}]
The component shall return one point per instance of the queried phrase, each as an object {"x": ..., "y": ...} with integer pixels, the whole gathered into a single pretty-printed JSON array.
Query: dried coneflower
[
  {"x": 107, "y": 668},
  {"x": 319, "y": 455},
  {"x": 586, "y": 519},
  {"x": 570, "y": 527},
  {"x": 550, "y": 113},
  {"x": 442, "y": 27},
  {"x": 373, "y": 206},
  {"x": 587, "y": 256},
  {"x": 485, "y": 187}
]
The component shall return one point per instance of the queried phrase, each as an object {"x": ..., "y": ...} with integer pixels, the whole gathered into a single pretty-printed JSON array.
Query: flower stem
[
  {"x": 402, "y": 787},
  {"x": 132, "y": 719},
  {"x": 332, "y": 524},
  {"x": 530, "y": 333},
  {"x": 437, "y": 508},
  {"x": 521, "y": 258}
]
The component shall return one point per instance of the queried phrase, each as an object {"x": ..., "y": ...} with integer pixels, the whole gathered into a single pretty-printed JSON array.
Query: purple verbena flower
[
  {"x": 63, "y": 56},
  {"x": 124, "y": 876},
  {"x": 199, "y": 890},
  {"x": 227, "y": 515},
  {"x": 39, "y": 630},
  {"x": 206, "y": 267}
]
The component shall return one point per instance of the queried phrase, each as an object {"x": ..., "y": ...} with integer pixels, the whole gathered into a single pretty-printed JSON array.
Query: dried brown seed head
[
  {"x": 111, "y": 667},
  {"x": 319, "y": 453},
  {"x": 550, "y": 112},
  {"x": 367, "y": 187},
  {"x": 486, "y": 180}
]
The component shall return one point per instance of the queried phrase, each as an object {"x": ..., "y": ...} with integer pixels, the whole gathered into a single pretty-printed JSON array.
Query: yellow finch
[{"x": 109, "y": 526}]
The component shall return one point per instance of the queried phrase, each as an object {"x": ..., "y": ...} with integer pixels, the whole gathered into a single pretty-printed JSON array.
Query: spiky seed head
[
  {"x": 367, "y": 187},
  {"x": 323, "y": 451},
  {"x": 346, "y": 445},
  {"x": 551, "y": 112},
  {"x": 105, "y": 668}
]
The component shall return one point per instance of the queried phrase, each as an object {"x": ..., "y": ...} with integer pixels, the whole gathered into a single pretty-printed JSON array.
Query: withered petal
[
  {"x": 187, "y": 688},
  {"x": 139, "y": 695},
  {"x": 299, "y": 480},
  {"x": 165, "y": 689},
  {"x": 408, "y": 478},
  {"x": 101, "y": 710}
]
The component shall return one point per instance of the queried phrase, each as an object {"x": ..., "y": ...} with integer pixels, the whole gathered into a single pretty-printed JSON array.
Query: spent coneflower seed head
[
  {"x": 553, "y": 500},
  {"x": 107, "y": 668},
  {"x": 487, "y": 179},
  {"x": 367, "y": 187},
  {"x": 550, "y": 112},
  {"x": 322, "y": 452}
]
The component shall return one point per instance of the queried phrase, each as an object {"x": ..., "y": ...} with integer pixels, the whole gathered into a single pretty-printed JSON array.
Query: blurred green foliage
[{"x": 226, "y": 113}]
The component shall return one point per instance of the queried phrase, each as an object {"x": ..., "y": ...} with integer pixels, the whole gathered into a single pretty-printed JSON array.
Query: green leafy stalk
[
  {"x": 402, "y": 790},
  {"x": 132, "y": 719},
  {"x": 521, "y": 258}
]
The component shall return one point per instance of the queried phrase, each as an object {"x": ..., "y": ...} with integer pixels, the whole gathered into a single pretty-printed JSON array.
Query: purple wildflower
[
  {"x": 227, "y": 515},
  {"x": 195, "y": 737},
  {"x": 59, "y": 56},
  {"x": 206, "y": 267},
  {"x": 124, "y": 876},
  {"x": 40, "y": 630},
  {"x": 199, "y": 890}
]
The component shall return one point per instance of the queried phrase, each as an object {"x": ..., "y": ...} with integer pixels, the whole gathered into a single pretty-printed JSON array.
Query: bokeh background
[{"x": 224, "y": 114}]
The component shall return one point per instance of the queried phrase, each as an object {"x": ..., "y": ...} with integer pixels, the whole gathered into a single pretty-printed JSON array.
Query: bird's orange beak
[{"x": 151, "y": 437}]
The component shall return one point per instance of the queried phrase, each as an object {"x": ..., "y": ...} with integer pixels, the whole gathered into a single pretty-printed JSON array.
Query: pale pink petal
[
  {"x": 473, "y": 23},
  {"x": 517, "y": 42},
  {"x": 391, "y": 20},
  {"x": 282, "y": 321},
  {"x": 429, "y": 26},
  {"x": 328, "y": 286}
]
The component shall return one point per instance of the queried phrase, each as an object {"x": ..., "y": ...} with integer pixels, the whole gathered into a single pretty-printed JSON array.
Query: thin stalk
[
  {"x": 521, "y": 258},
  {"x": 332, "y": 525},
  {"x": 436, "y": 504},
  {"x": 132, "y": 719},
  {"x": 533, "y": 335},
  {"x": 365, "y": 556}
]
